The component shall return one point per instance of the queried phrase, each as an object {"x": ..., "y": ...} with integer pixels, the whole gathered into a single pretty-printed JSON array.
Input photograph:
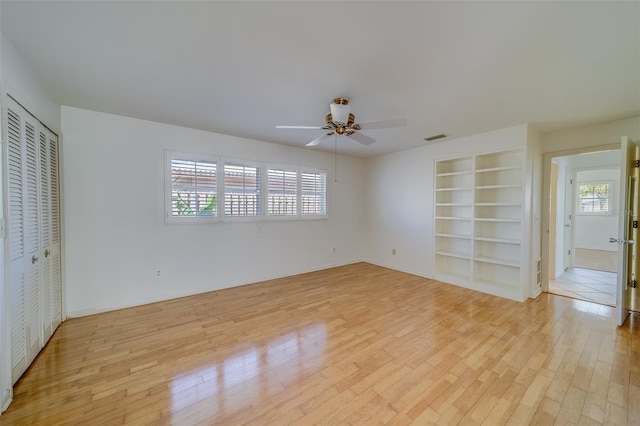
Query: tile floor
[{"x": 586, "y": 284}]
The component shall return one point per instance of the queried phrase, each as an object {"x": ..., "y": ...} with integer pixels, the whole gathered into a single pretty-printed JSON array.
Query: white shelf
[
  {"x": 478, "y": 213},
  {"x": 498, "y": 169},
  {"x": 458, "y": 236},
  {"x": 462, "y": 188},
  {"x": 497, "y": 261},
  {"x": 453, "y": 218},
  {"x": 456, "y": 255},
  {"x": 497, "y": 240},
  {"x": 465, "y": 172},
  {"x": 504, "y": 186}
]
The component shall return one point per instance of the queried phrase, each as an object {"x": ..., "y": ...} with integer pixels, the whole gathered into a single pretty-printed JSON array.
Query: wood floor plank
[{"x": 358, "y": 344}]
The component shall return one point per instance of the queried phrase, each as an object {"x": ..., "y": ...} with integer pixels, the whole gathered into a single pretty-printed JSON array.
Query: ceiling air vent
[{"x": 435, "y": 137}]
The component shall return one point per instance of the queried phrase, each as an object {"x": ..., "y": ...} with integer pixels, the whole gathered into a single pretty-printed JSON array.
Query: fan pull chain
[{"x": 335, "y": 159}]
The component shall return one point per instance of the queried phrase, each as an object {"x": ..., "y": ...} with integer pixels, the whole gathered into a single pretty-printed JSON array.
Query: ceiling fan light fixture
[{"x": 340, "y": 112}]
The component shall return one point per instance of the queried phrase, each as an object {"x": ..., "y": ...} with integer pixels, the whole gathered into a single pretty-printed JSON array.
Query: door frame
[{"x": 546, "y": 197}]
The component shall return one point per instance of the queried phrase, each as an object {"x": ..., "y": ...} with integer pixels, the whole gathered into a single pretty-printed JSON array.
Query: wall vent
[{"x": 435, "y": 137}]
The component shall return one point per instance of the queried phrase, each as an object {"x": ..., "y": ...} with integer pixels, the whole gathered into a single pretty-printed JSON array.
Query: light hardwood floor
[{"x": 357, "y": 344}]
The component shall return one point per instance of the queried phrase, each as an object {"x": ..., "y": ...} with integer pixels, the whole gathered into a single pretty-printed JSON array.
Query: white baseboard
[
  {"x": 395, "y": 268},
  {"x": 101, "y": 309}
]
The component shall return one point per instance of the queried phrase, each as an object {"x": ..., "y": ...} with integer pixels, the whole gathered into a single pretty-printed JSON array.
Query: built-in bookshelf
[{"x": 478, "y": 222}]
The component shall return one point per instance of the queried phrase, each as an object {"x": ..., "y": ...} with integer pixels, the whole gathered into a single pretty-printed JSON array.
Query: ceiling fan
[{"x": 341, "y": 122}]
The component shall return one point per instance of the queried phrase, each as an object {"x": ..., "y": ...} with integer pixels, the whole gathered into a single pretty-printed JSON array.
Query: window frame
[
  {"x": 170, "y": 156},
  {"x": 286, "y": 167},
  {"x": 223, "y": 190},
  {"x": 610, "y": 198},
  {"x": 221, "y": 203},
  {"x": 309, "y": 170}
]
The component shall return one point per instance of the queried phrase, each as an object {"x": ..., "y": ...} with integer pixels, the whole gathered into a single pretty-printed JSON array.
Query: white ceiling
[{"x": 241, "y": 68}]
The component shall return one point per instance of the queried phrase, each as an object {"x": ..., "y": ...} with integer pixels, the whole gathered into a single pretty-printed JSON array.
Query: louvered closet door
[
  {"x": 23, "y": 241},
  {"x": 50, "y": 279},
  {"x": 45, "y": 231},
  {"x": 54, "y": 234}
]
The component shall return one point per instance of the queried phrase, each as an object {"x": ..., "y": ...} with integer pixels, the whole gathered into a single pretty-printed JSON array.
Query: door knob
[
  {"x": 621, "y": 241},
  {"x": 47, "y": 253},
  {"x": 34, "y": 259}
]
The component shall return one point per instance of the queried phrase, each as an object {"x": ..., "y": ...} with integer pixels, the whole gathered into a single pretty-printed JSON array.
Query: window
[
  {"x": 313, "y": 194},
  {"x": 241, "y": 190},
  {"x": 193, "y": 187},
  {"x": 593, "y": 198},
  {"x": 282, "y": 191},
  {"x": 246, "y": 190}
]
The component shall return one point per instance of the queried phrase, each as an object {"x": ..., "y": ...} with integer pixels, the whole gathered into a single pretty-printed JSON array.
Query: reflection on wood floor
[{"x": 355, "y": 344}]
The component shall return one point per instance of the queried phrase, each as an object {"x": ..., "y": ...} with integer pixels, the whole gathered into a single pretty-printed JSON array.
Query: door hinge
[
  {"x": 636, "y": 163},
  {"x": 3, "y": 231}
]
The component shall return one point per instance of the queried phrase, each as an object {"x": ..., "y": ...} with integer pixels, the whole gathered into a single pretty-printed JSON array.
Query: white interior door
[
  {"x": 628, "y": 156},
  {"x": 568, "y": 218}
]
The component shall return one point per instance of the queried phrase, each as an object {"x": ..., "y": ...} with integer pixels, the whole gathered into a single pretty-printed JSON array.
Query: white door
[
  {"x": 32, "y": 246},
  {"x": 50, "y": 280},
  {"x": 54, "y": 234},
  {"x": 31, "y": 203},
  {"x": 23, "y": 242},
  {"x": 627, "y": 163},
  {"x": 568, "y": 218},
  {"x": 45, "y": 231}
]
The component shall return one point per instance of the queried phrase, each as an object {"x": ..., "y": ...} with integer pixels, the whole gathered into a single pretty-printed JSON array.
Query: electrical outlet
[
  {"x": 393, "y": 251},
  {"x": 334, "y": 249},
  {"x": 158, "y": 271}
]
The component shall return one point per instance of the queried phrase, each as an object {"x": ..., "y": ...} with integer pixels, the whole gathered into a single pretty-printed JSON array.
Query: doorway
[{"x": 584, "y": 195}]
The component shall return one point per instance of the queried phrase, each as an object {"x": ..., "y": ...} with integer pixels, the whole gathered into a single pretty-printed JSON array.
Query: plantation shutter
[
  {"x": 241, "y": 190},
  {"x": 282, "y": 197},
  {"x": 193, "y": 188},
  {"x": 314, "y": 193}
]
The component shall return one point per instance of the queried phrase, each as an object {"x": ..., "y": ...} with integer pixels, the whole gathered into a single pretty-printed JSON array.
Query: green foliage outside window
[{"x": 593, "y": 198}]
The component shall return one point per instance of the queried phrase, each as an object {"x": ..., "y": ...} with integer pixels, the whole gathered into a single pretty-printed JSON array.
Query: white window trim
[
  {"x": 221, "y": 217},
  {"x": 174, "y": 155},
  {"x": 222, "y": 191},
  {"x": 288, "y": 167},
  {"x": 612, "y": 200},
  {"x": 326, "y": 194}
]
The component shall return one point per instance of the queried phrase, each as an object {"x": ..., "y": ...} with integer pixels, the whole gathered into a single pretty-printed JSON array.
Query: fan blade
[
  {"x": 399, "y": 122},
  {"x": 363, "y": 139},
  {"x": 317, "y": 140},
  {"x": 300, "y": 127}
]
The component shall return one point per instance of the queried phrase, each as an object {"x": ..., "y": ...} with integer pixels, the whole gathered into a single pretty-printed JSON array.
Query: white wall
[
  {"x": 26, "y": 85},
  {"x": 593, "y": 231},
  {"x": 592, "y": 135},
  {"x": 400, "y": 198},
  {"x": 116, "y": 237}
]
